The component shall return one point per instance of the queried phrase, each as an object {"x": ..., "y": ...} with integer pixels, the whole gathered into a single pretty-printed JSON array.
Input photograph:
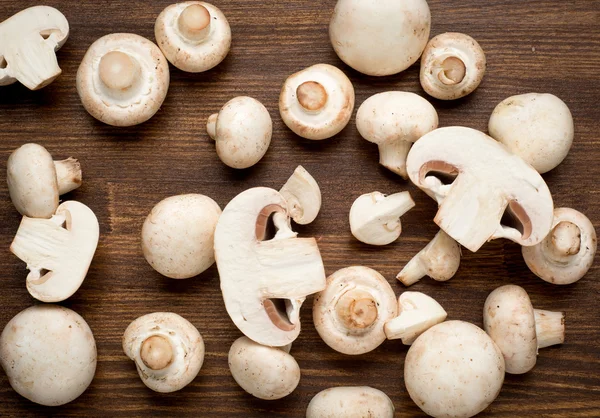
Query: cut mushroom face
[
  {"x": 265, "y": 281},
  {"x": 58, "y": 251},
  {"x": 518, "y": 329},
  {"x": 28, "y": 44},
  {"x": 375, "y": 217},
  {"x": 380, "y": 38},
  {"x": 485, "y": 194},
  {"x": 452, "y": 66},
  {"x": 49, "y": 354},
  {"x": 194, "y": 35},
  {"x": 35, "y": 181},
  {"x": 303, "y": 195},
  {"x": 123, "y": 79},
  {"x": 350, "y": 313},
  {"x": 350, "y": 401},
  {"x": 167, "y": 349},
  {"x": 394, "y": 120},
  {"x": 317, "y": 102}
]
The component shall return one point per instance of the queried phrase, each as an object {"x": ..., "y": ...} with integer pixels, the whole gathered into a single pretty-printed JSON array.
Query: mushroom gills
[{"x": 282, "y": 312}]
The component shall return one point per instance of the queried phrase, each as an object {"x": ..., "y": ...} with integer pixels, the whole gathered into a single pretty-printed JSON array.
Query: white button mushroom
[
  {"x": 567, "y": 253},
  {"x": 303, "y": 195},
  {"x": 167, "y": 349},
  {"x": 537, "y": 127},
  {"x": 264, "y": 372},
  {"x": 178, "y": 235},
  {"x": 242, "y": 132},
  {"x": 28, "y": 42},
  {"x": 350, "y": 313},
  {"x": 35, "y": 181},
  {"x": 350, "y": 402},
  {"x": 381, "y": 37},
  {"x": 317, "y": 102},
  {"x": 453, "y": 369},
  {"x": 49, "y": 354},
  {"x": 123, "y": 79},
  {"x": 394, "y": 120},
  {"x": 452, "y": 66},
  {"x": 518, "y": 329},
  {"x": 375, "y": 217}
]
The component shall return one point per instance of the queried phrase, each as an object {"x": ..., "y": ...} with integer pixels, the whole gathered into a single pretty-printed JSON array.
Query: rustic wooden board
[{"x": 538, "y": 45}]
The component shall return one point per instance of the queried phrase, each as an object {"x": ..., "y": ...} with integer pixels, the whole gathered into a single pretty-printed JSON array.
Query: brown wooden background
[{"x": 536, "y": 45}]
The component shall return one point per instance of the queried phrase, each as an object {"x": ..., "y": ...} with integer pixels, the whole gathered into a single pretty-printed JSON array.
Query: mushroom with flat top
[
  {"x": 303, "y": 195},
  {"x": 350, "y": 401}
]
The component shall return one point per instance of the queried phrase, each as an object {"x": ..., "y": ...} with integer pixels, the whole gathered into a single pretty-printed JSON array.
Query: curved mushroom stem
[
  {"x": 549, "y": 327},
  {"x": 156, "y": 352},
  {"x": 119, "y": 71},
  {"x": 312, "y": 96},
  {"x": 211, "y": 126},
  {"x": 68, "y": 174},
  {"x": 392, "y": 155},
  {"x": 414, "y": 271},
  {"x": 356, "y": 309},
  {"x": 284, "y": 230},
  {"x": 564, "y": 240},
  {"x": 453, "y": 71},
  {"x": 194, "y": 22}
]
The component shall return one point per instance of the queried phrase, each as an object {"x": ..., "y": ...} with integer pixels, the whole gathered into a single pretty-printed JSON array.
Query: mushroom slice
[
  {"x": 452, "y": 66},
  {"x": 350, "y": 313},
  {"x": 303, "y": 195},
  {"x": 417, "y": 312},
  {"x": 439, "y": 260},
  {"x": 167, "y": 349},
  {"x": 28, "y": 44},
  {"x": 484, "y": 194},
  {"x": 350, "y": 401},
  {"x": 265, "y": 282},
  {"x": 317, "y": 102},
  {"x": 58, "y": 251},
  {"x": 375, "y": 217}
]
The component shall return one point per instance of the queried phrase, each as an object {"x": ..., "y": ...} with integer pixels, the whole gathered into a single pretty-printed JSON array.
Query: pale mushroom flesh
[{"x": 303, "y": 195}]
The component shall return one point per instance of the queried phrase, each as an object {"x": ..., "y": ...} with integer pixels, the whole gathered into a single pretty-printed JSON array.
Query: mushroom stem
[
  {"x": 392, "y": 155},
  {"x": 549, "y": 327},
  {"x": 119, "y": 71},
  {"x": 414, "y": 271},
  {"x": 194, "y": 22},
  {"x": 312, "y": 96},
  {"x": 68, "y": 174},
  {"x": 356, "y": 309},
  {"x": 453, "y": 71},
  {"x": 282, "y": 224},
  {"x": 565, "y": 240},
  {"x": 156, "y": 352},
  {"x": 211, "y": 126}
]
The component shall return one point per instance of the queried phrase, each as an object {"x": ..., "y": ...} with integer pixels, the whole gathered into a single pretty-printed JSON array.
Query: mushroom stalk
[
  {"x": 392, "y": 155},
  {"x": 68, "y": 175},
  {"x": 357, "y": 310},
  {"x": 549, "y": 327},
  {"x": 565, "y": 238},
  {"x": 156, "y": 352},
  {"x": 414, "y": 271},
  {"x": 211, "y": 126},
  {"x": 194, "y": 22}
]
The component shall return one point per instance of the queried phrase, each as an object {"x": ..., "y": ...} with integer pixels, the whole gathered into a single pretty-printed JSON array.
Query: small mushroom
[
  {"x": 350, "y": 401},
  {"x": 453, "y": 369},
  {"x": 381, "y": 37},
  {"x": 417, "y": 312},
  {"x": 536, "y": 127},
  {"x": 194, "y": 35},
  {"x": 178, "y": 235},
  {"x": 49, "y": 354},
  {"x": 567, "y": 253},
  {"x": 439, "y": 260},
  {"x": 518, "y": 329},
  {"x": 123, "y": 79},
  {"x": 264, "y": 372},
  {"x": 167, "y": 349},
  {"x": 375, "y": 217},
  {"x": 28, "y": 44},
  {"x": 35, "y": 181},
  {"x": 303, "y": 195},
  {"x": 242, "y": 132},
  {"x": 452, "y": 66},
  {"x": 317, "y": 102},
  {"x": 394, "y": 120},
  {"x": 350, "y": 313}
]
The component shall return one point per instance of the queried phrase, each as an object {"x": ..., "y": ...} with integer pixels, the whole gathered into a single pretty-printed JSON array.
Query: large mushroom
[
  {"x": 303, "y": 195},
  {"x": 350, "y": 401}
]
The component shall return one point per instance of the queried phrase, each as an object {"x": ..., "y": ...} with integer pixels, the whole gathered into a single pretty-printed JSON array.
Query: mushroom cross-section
[
  {"x": 350, "y": 401},
  {"x": 485, "y": 194},
  {"x": 350, "y": 313},
  {"x": 303, "y": 195},
  {"x": 265, "y": 281}
]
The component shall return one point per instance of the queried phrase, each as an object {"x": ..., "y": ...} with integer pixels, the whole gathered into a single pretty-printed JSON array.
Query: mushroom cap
[
  {"x": 49, "y": 354},
  {"x": 372, "y": 304},
  {"x": 536, "y": 127},
  {"x": 264, "y": 372},
  {"x": 186, "y": 350},
  {"x": 124, "y": 106},
  {"x": 328, "y": 95},
  {"x": 380, "y": 37},
  {"x": 571, "y": 265},
  {"x": 188, "y": 54},
  {"x": 452, "y": 66},
  {"x": 350, "y": 401},
  {"x": 454, "y": 369},
  {"x": 303, "y": 195},
  {"x": 178, "y": 235}
]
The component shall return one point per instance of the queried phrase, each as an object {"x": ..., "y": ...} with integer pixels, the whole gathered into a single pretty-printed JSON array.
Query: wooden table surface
[{"x": 531, "y": 46}]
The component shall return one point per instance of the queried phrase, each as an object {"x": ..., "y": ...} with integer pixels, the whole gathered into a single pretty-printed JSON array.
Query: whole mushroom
[
  {"x": 303, "y": 195},
  {"x": 350, "y": 401}
]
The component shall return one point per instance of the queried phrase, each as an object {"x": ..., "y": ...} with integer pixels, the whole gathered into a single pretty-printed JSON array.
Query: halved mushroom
[
  {"x": 303, "y": 195},
  {"x": 485, "y": 194},
  {"x": 317, "y": 102},
  {"x": 350, "y": 313},
  {"x": 265, "y": 281},
  {"x": 28, "y": 44},
  {"x": 167, "y": 349},
  {"x": 194, "y": 35},
  {"x": 123, "y": 79},
  {"x": 350, "y": 401},
  {"x": 375, "y": 217},
  {"x": 58, "y": 251}
]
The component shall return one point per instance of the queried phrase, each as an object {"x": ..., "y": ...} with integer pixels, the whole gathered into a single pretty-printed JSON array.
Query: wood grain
[{"x": 538, "y": 45}]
